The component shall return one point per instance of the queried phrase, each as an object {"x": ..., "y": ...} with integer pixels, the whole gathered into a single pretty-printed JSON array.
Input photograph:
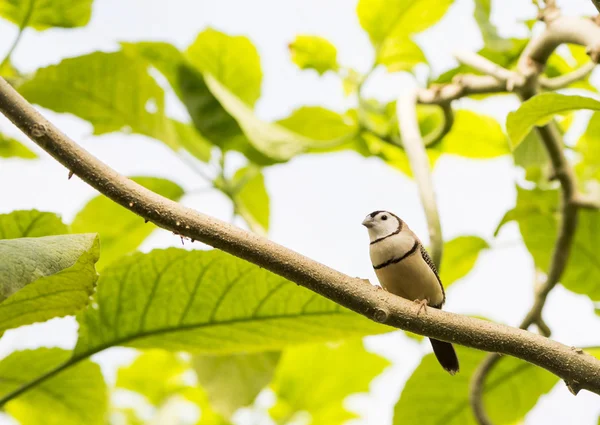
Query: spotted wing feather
[{"x": 431, "y": 265}]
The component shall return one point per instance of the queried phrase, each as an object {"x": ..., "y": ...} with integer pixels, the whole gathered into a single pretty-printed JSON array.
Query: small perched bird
[{"x": 404, "y": 268}]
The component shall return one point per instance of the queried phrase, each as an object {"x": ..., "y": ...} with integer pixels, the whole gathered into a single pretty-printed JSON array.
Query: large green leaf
[
  {"x": 113, "y": 91},
  {"x": 251, "y": 198},
  {"x": 432, "y": 396},
  {"x": 30, "y": 224},
  {"x": 43, "y": 14},
  {"x": 208, "y": 302},
  {"x": 460, "y": 255},
  {"x": 537, "y": 213},
  {"x": 400, "y": 54},
  {"x": 234, "y": 381},
  {"x": 384, "y": 19},
  {"x": 212, "y": 121},
  {"x": 533, "y": 157},
  {"x": 121, "y": 231},
  {"x": 313, "y": 52},
  {"x": 9, "y": 147},
  {"x": 74, "y": 397},
  {"x": 232, "y": 60},
  {"x": 155, "y": 374},
  {"x": 474, "y": 136},
  {"x": 272, "y": 140},
  {"x": 540, "y": 109},
  {"x": 336, "y": 371},
  {"x": 41, "y": 278}
]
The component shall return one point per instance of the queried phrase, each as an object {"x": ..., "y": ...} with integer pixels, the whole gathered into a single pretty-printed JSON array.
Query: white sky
[{"x": 317, "y": 202}]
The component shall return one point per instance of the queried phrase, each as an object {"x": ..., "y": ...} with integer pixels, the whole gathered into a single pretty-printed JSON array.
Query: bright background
[{"x": 317, "y": 201}]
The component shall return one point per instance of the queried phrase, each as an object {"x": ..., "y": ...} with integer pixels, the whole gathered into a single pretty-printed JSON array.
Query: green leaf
[
  {"x": 46, "y": 277},
  {"x": 540, "y": 109},
  {"x": 460, "y": 255},
  {"x": 9, "y": 147},
  {"x": 533, "y": 157},
  {"x": 329, "y": 130},
  {"x": 234, "y": 381},
  {"x": 489, "y": 32},
  {"x": 383, "y": 19},
  {"x": 75, "y": 396},
  {"x": 212, "y": 121},
  {"x": 400, "y": 54},
  {"x": 121, "y": 231},
  {"x": 155, "y": 374},
  {"x": 190, "y": 300},
  {"x": 251, "y": 198},
  {"x": 313, "y": 52},
  {"x": 537, "y": 213},
  {"x": 232, "y": 60},
  {"x": 432, "y": 396},
  {"x": 270, "y": 139},
  {"x": 192, "y": 141},
  {"x": 113, "y": 91},
  {"x": 336, "y": 371},
  {"x": 30, "y": 224},
  {"x": 588, "y": 146},
  {"x": 474, "y": 136},
  {"x": 44, "y": 14}
]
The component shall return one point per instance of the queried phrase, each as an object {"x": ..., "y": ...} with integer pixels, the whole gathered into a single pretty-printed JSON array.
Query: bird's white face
[{"x": 381, "y": 224}]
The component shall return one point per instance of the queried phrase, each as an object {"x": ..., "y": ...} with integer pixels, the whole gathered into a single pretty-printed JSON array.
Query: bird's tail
[{"x": 444, "y": 351}]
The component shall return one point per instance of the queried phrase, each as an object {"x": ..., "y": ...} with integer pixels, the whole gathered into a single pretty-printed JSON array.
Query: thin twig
[
  {"x": 406, "y": 110},
  {"x": 486, "y": 66},
  {"x": 563, "y": 81},
  {"x": 352, "y": 293}
]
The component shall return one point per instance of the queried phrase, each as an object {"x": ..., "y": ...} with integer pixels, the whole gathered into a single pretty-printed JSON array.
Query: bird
[{"x": 404, "y": 268}]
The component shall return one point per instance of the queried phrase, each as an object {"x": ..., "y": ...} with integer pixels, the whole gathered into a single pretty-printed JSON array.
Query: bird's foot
[{"x": 422, "y": 305}]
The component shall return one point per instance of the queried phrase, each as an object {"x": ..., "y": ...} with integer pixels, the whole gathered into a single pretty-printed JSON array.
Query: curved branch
[
  {"x": 563, "y": 81},
  {"x": 352, "y": 293},
  {"x": 438, "y": 134},
  {"x": 406, "y": 110}
]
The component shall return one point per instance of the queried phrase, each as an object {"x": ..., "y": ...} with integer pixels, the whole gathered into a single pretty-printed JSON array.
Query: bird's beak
[{"x": 368, "y": 222}]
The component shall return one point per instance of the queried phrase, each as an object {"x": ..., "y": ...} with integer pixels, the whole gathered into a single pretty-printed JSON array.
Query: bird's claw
[{"x": 422, "y": 305}]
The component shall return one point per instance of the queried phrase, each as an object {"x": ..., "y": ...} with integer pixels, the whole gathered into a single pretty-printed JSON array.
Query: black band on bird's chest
[
  {"x": 396, "y": 260},
  {"x": 398, "y": 230}
]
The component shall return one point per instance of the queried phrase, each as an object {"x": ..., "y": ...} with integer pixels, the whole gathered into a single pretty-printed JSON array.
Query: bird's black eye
[{"x": 384, "y": 217}]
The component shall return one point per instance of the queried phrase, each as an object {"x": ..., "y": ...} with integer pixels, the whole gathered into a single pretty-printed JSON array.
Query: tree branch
[
  {"x": 406, "y": 110},
  {"x": 351, "y": 293},
  {"x": 563, "y": 81},
  {"x": 559, "y": 30}
]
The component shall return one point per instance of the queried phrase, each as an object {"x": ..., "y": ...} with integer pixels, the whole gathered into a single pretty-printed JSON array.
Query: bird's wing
[{"x": 431, "y": 265}]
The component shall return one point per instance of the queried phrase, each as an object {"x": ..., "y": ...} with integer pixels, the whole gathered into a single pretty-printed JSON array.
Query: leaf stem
[{"x": 22, "y": 27}]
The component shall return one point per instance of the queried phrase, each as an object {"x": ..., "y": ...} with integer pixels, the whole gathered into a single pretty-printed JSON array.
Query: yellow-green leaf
[
  {"x": 460, "y": 255},
  {"x": 540, "y": 109},
  {"x": 44, "y": 14},
  {"x": 155, "y": 374},
  {"x": 336, "y": 371},
  {"x": 10, "y": 147},
  {"x": 251, "y": 198},
  {"x": 314, "y": 52},
  {"x": 45, "y": 277},
  {"x": 432, "y": 396},
  {"x": 400, "y": 54},
  {"x": 120, "y": 230},
  {"x": 234, "y": 381},
  {"x": 190, "y": 300},
  {"x": 75, "y": 396},
  {"x": 383, "y": 19},
  {"x": 588, "y": 146},
  {"x": 113, "y": 91},
  {"x": 474, "y": 136},
  {"x": 232, "y": 60},
  {"x": 30, "y": 224}
]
